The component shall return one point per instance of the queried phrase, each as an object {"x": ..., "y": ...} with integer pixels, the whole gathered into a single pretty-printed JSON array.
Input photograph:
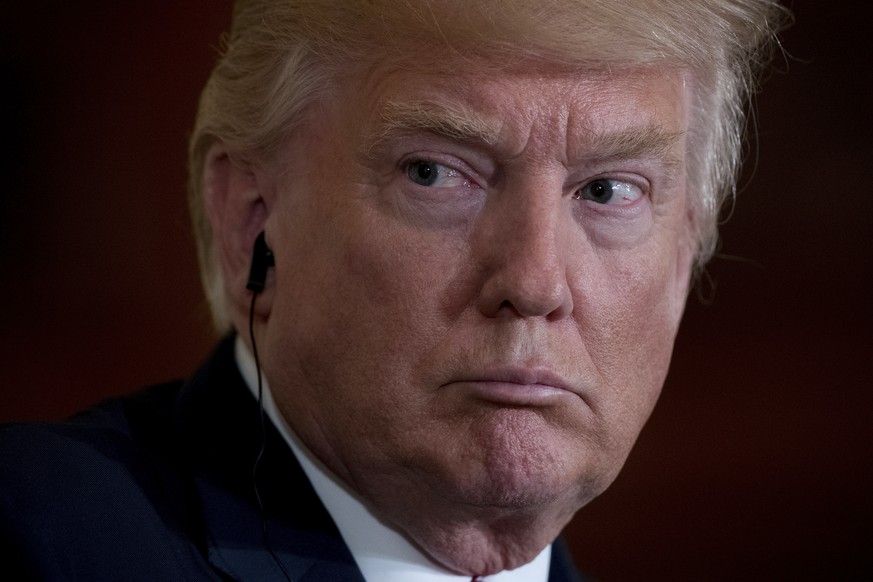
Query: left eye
[
  {"x": 606, "y": 191},
  {"x": 434, "y": 175}
]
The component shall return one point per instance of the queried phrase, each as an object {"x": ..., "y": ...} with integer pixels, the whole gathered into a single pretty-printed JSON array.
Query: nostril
[{"x": 507, "y": 307}]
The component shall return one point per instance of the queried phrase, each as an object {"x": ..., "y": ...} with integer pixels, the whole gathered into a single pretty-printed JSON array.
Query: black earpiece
[{"x": 262, "y": 259}]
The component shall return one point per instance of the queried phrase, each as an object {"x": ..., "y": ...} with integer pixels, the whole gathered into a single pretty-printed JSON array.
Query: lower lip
[{"x": 511, "y": 394}]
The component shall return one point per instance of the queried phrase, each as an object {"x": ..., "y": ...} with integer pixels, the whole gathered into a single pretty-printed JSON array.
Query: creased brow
[{"x": 400, "y": 118}]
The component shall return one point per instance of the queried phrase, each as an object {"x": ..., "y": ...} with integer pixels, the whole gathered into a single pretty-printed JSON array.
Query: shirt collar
[{"x": 381, "y": 552}]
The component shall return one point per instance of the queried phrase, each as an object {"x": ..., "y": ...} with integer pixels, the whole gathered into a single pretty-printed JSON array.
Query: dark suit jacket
[{"x": 159, "y": 486}]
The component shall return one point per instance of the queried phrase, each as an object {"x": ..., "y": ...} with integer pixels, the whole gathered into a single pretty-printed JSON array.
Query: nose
[{"x": 523, "y": 248}]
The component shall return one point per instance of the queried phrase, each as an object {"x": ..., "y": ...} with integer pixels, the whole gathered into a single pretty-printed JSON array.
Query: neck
[{"x": 480, "y": 541}]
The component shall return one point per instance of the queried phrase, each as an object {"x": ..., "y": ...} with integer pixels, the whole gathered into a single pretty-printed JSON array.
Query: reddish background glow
[{"x": 757, "y": 462}]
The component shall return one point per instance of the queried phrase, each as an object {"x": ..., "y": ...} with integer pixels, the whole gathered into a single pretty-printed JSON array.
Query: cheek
[
  {"x": 628, "y": 327},
  {"x": 400, "y": 276},
  {"x": 376, "y": 308}
]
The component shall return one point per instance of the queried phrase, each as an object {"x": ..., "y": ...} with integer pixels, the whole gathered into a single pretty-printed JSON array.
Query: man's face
[{"x": 479, "y": 277}]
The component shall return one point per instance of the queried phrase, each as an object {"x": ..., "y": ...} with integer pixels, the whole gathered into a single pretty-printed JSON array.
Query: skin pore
[{"x": 478, "y": 280}]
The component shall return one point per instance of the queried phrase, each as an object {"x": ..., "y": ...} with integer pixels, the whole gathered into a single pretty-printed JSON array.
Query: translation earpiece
[{"x": 262, "y": 259}]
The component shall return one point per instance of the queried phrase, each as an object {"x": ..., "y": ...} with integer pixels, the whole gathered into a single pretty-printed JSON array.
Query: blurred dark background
[{"x": 757, "y": 463}]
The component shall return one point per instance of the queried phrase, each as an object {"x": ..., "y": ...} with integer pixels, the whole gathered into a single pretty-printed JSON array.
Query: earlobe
[{"x": 237, "y": 212}]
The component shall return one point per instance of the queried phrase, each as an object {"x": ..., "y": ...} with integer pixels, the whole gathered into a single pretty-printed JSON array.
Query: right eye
[{"x": 433, "y": 175}]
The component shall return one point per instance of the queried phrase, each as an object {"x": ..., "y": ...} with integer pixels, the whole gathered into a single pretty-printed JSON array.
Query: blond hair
[{"x": 281, "y": 55}]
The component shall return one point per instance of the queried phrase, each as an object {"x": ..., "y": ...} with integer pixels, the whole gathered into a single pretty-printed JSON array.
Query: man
[{"x": 456, "y": 240}]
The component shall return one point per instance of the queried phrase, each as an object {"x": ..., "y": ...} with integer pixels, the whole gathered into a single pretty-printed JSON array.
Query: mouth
[{"x": 516, "y": 387}]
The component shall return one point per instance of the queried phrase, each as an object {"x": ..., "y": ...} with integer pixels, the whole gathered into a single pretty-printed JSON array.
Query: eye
[
  {"x": 434, "y": 175},
  {"x": 606, "y": 191}
]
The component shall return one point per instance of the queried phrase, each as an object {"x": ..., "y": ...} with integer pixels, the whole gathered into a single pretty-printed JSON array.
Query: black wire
[{"x": 263, "y": 442}]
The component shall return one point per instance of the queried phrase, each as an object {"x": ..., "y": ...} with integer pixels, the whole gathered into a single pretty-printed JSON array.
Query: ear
[{"x": 237, "y": 208}]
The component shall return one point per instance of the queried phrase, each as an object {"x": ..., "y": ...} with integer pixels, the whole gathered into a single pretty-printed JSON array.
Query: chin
[{"x": 516, "y": 460}]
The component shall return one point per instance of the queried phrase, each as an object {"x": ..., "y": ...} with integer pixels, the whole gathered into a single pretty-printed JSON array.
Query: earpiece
[{"x": 262, "y": 259}]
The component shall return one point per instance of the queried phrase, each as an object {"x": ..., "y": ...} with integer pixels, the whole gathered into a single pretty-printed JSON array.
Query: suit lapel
[
  {"x": 220, "y": 424},
  {"x": 562, "y": 568}
]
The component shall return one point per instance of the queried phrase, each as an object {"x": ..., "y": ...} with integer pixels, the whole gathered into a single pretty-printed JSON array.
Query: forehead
[{"x": 512, "y": 107}]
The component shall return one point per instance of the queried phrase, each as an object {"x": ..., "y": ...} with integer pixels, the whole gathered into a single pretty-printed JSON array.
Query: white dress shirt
[{"x": 381, "y": 552}]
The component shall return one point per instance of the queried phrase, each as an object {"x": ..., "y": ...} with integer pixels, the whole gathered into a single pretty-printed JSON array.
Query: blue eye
[
  {"x": 424, "y": 172},
  {"x": 606, "y": 191},
  {"x": 434, "y": 175}
]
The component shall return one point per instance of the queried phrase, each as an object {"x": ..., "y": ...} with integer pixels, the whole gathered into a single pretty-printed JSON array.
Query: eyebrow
[
  {"x": 453, "y": 121},
  {"x": 652, "y": 141},
  {"x": 460, "y": 123}
]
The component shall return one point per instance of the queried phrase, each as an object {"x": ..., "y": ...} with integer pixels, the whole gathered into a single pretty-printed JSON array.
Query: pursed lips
[{"x": 516, "y": 386}]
